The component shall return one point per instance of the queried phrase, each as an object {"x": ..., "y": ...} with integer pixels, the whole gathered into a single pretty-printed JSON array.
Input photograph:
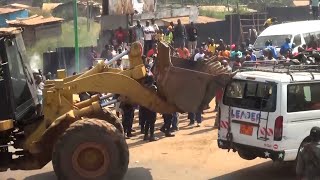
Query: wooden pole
[{"x": 231, "y": 31}]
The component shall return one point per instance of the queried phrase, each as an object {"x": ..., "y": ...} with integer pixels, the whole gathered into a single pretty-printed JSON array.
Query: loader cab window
[
  {"x": 21, "y": 91},
  {"x": 251, "y": 95}
]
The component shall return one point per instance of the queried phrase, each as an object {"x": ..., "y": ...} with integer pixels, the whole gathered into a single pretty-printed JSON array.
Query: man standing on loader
[{"x": 40, "y": 87}]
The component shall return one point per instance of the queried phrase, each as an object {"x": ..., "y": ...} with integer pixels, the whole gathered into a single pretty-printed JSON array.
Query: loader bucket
[{"x": 188, "y": 84}]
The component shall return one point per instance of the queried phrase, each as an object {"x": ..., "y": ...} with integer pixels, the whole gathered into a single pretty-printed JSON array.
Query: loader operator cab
[{"x": 17, "y": 87}]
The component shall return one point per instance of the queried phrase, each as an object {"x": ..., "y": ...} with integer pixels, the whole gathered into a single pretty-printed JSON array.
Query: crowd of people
[{"x": 183, "y": 40}]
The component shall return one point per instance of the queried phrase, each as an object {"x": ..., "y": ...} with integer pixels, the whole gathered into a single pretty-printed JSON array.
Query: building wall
[
  {"x": 12, "y": 16},
  {"x": 26, "y": 2},
  {"x": 29, "y": 36},
  {"x": 113, "y": 22},
  {"x": 290, "y": 13},
  {"x": 168, "y": 12},
  {"x": 32, "y": 34},
  {"x": 65, "y": 11},
  {"x": 47, "y": 31},
  {"x": 64, "y": 58}
]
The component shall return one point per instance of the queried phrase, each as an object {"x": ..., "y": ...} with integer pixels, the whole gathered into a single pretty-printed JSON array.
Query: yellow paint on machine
[{"x": 6, "y": 125}]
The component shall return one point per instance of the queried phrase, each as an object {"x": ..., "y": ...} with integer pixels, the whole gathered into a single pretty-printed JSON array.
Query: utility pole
[
  {"x": 228, "y": 5},
  {"x": 75, "y": 27},
  {"x": 88, "y": 16}
]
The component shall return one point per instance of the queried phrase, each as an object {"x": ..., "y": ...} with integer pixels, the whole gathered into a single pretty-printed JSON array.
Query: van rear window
[
  {"x": 251, "y": 95},
  {"x": 303, "y": 97}
]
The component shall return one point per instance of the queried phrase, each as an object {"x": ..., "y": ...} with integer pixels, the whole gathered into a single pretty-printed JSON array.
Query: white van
[
  {"x": 269, "y": 112},
  {"x": 299, "y": 32}
]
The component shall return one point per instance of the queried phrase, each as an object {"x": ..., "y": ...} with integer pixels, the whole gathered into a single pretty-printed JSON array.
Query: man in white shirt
[
  {"x": 315, "y": 8},
  {"x": 39, "y": 88},
  {"x": 154, "y": 25},
  {"x": 148, "y": 37},
  {"x": 199, "y": 55}
]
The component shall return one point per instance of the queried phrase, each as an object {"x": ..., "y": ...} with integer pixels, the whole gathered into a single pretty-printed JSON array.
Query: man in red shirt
[
  {"x": 120, "y": 35},
  {"x": 183, "y": 52},
  {"x": 153, "y": 51}
]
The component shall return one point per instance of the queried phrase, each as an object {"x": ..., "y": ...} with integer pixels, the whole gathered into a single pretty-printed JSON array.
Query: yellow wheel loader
[{"x": 84, "y": 140}]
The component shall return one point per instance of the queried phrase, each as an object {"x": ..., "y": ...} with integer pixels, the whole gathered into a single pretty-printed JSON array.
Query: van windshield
[
  {"x": 277, "y": 40},
  {"x": 251, "y": 95}
]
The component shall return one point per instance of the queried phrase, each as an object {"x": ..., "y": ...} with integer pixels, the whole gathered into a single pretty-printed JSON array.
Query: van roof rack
[{"x": 277, "y": 66}]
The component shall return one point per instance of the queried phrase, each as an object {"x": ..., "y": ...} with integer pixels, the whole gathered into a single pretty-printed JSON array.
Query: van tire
[{"x": 246, "y": 155}]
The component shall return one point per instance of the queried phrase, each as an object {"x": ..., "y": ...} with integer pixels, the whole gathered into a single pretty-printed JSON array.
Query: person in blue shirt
[
  {"x": 272, "y": 49},
  {"x": 285, "y": 47},
  {"x": 253, "y": 56}
]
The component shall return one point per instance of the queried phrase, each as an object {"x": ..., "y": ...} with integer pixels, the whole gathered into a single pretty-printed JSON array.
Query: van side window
[
  {"x": 297, "y": 40},
  {"x": 303, "y": 97},
  {"x": 307, "y": 37}
]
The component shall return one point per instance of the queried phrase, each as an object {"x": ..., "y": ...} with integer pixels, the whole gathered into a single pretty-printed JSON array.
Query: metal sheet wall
[{"x": 118, "y": 7}]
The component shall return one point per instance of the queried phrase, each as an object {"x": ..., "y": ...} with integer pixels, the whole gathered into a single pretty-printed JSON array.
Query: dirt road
[{"x": 191, "y": 155}]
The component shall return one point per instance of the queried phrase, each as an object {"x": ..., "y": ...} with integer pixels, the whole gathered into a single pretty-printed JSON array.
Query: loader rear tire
[
  {"x": 107, "y": 115},
  {"x": 91, "y": 149}
]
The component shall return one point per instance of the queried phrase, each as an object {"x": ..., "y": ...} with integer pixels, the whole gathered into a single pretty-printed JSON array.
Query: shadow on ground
[
  {"x": 203, "y": 131},
  {"x": 47, "y": 176},
  {"x": 264, "y": 171},
  {"x": 137, "y": 173}
]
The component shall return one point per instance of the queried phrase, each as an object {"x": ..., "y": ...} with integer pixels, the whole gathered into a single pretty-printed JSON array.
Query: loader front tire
[{"x": 91, "y": 149}]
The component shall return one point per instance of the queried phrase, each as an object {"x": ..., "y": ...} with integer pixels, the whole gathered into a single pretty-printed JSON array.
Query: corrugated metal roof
[
  {"x": 17, "y": 5},
  {"x": 9, "y": 10},
  {"x": 34, "y": 20},
  {"x": 9, "y": 31},
  {"x": 185, "y": 20},
  {"x": 50, "y": 6}
]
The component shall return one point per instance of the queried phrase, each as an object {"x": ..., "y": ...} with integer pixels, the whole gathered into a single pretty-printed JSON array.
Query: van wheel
[{"x": 246, "y": 155}]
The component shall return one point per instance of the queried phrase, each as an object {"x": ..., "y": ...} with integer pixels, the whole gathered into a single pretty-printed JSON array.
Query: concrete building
[
  {"x": 38, "y": 27},
  {"x": 301, "y": 2},
  {"x": 65, "y": 10},
  {"x": 11, "y": 14},
  {"x": 25, "y": 2}
]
